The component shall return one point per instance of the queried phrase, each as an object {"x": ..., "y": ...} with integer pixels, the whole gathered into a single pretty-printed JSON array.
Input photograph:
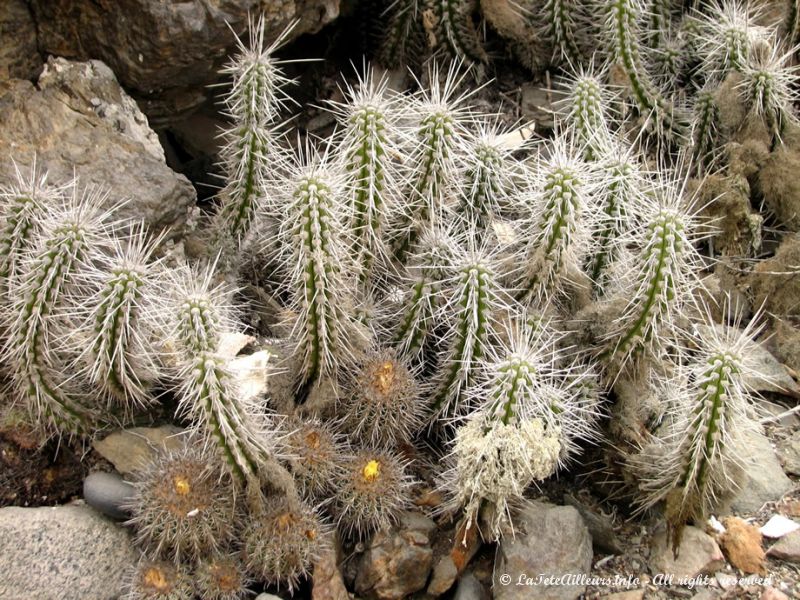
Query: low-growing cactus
[
  {"x": 728, "y": 34},
  {"x": 382, "y": 404},
  {"x": 183, "y": 507},
  {"x": 221, "y": 577},
  {"x": 282, "y": 542},
  {"x": 157, "y": 580},
  {"x": 586, "y": 111},
  {"x": 316, "y": 454},
  {"x": 373, "y": 491}
]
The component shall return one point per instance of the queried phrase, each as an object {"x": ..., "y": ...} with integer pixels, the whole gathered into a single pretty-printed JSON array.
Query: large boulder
[
  {"x": 547, "y": 557},
  {"x": 79, "y": 121},
  {"x": 62, "y": 553},
  {"x": 19, "y": 53},
  {"x": 165, "y": 53}
]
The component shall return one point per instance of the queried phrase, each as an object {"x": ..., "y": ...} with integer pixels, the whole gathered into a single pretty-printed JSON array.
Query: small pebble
[{"x": 107, "y": 493}]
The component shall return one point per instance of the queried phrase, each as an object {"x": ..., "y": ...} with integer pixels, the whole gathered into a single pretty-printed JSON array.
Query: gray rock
[
  {"x": 266, "y": 596},
  {"x": 397, "y": 562},
  {"x": 764, "y": 480},
  {"x": 130, "y": 449},
  {"x": 469, "y": 588},
  {"x": 548, "y": 540},
  {"x": 444, "y": 576},
  {"x": 19, "y": 54},
  {"x": 787, "y": 548},
  {"x": 600, "y": 527},
  {"x": 166, "y": 53},
  {"x": 698, "y": 554},
  {"x": 80, "y": 121},
  {"x": 789, "y": 454},
  {"x": 108, "y": 493},
  {"x": 62, "y": 553}
]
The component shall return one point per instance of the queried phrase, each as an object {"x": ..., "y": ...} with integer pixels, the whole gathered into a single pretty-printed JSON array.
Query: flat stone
[
  {"x": 764, "y": 480},
  {"x": 600, "y": 527},
  {"x": 626, "y": 595},
  {"x": 65, "y": 552},
  {"x": 131, "y": 449},
  {"x": 789, "y": 454},
  {"x": 787, "y": 548},
  {"x": 698, "y": 554},
  {"x": 549, "y": 540},
  {"x": 770, "y": 593}
]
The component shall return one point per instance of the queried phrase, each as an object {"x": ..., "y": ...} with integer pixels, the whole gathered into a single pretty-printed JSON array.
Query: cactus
[
  {"x": 383, "y": 401},
  {"x": 22, "y": 207},
  {"x": 704, "y": 129},
  {"x": 698, "y": 456},
  {"x": 221, "y": 577},
  {"x": 319, "y": 277},
  {"x": 183, "y": 506},
  {"x": 282, "y": 542},
  {"x": 728, "y": 34},
  {"x": 586, "y": 110},
  {"x": 455, "y": 29},
  {"x": 121, "y": 347},
  {"x": 564, "y": 22},
  {"x": 768, "y": 88},
  {"x": 69, "y": 235},
  {"x": 664, "y": 268},
  {"x": 373, "y": 491},
  {"x": 156, "y": 580},
  {"x": 624, "y": 40},
  {"x": 558, "y": 228},
  {"x": 254, "y": 102},
  {"x": 475, "y": 301},
  {"x": 316, "y": 453},
  {"x": 525, "y": 426},
  {"x": 370, "y": 152}
]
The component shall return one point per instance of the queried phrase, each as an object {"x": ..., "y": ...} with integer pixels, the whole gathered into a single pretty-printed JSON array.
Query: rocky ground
[{"x": 80, "y": 90}]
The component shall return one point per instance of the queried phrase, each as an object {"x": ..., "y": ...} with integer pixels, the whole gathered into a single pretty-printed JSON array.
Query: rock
[
  {"x": 64, "y": 552},
  {"x": 775, "y": 281},
  {"x": 787, "y": 548},
  {"x": 444, "y": 576},
  {"x": 789, "y": 453},
  {"x": 19, "y": 53},
  {"x": 764, "y": 480},
  {"x": 549, "y": 540},
  {"x": 537, "y": 105},
  {"x": 741, "y": 543},
  {"x": 627, "y": 595},
  {"x": 770, "y": 593},
  {"x": 107, "y": 492},
  {"x": 698, "y": 554},
  {"x": 266, "y": 596},
  {"x": 469, "y": 588},
  {"x": 600, "y": 527},
  {"x": 778, "y": 526},
  {"x": 130, "y": 449},
  {"x": 785, "y": 344},
  {"x": 706, "y": 594},
  {"x": 327, "y": 582},
  {"x": 81, "y": 122},
  {"x": 166, "y": 53},
  {"x": 398, "y": 561}
]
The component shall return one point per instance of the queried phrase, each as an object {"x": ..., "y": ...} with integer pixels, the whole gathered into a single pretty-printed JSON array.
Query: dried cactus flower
[{"x": 183, "y": 506}]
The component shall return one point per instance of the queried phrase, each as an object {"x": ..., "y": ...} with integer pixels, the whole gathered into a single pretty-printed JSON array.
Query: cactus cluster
[{"x": 435, "y": 281}]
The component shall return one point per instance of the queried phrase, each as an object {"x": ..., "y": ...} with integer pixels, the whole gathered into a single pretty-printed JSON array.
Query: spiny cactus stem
[
  {"x": 704, "y": 133},
  {"x": 16, "y": 230},
  {"x": 472, "y": 330},
  {"x": 410, "y": 328},
  {"x": 709, "y": 412},
  {"x": 226, "y": 429},
  {"x": 457, "y": 26},
  {"x": 660, "y": 287},
  {"x": 561, "y": 30},
  {"x": 118, "y": 299}
]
